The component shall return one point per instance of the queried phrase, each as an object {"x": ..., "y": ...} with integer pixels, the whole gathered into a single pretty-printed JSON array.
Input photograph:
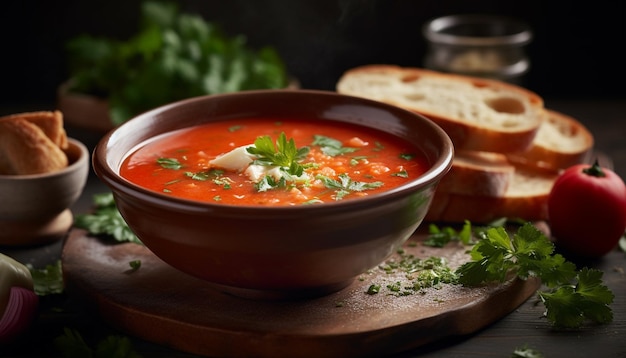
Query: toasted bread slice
[
  {"x": 50, "y": 122},
  {"x": 526, "y": 198},
  {"x": 26, "y": 149},
  {"x": 478, "y": 173},
  {"x": 561, "y": 142},
  {"x": 478, "y": 114}
]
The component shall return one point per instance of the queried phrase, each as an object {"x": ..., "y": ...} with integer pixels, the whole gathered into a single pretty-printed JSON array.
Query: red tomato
[{"x": 587, "y": 210}]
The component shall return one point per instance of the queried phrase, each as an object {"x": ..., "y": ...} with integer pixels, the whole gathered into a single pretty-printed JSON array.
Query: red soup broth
[{"x": 178, "y": 163}]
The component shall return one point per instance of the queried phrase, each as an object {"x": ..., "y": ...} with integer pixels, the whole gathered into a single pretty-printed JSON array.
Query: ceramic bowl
[
  {"x": 36, "y": 208},
  {"x": 269, "y": 252}
]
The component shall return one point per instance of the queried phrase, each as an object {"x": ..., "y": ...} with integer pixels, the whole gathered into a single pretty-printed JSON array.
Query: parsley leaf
[
  {"x": 345, "y": 185},
  {"x": 49, "y": 280},
  {"x": 571, "y": 297},
  {"x": 169, "y": 163},
  {"x": 440, "y": 237},
  {"x": 106, "y": 220},
  {"x": 330, "y": 146},
  {"x": 284, "y": 154}
]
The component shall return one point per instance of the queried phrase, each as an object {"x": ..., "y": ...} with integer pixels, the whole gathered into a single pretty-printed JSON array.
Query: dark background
[{"x": 577, "y": 50}]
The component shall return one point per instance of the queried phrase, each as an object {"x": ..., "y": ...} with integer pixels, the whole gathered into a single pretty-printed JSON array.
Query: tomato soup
[{"x": 264, "y": 161}]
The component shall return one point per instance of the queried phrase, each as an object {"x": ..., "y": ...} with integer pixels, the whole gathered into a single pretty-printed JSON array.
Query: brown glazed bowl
[
  {"x": 35, "y": 209},
  {"x": 274, "y": 252}
]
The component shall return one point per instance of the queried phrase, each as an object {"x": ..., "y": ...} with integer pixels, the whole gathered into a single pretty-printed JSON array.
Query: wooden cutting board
[{"x": 165, "y": 306}]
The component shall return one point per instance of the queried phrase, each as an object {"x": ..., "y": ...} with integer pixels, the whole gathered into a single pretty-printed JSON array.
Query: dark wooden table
[{"x": 606, "y": 119}]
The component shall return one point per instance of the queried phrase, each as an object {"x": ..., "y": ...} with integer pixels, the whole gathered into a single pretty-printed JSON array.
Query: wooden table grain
[{"x": 605, "y": 118}]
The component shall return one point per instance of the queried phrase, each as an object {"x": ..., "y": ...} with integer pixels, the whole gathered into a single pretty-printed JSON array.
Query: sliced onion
[{"x": 20, "y": 312}]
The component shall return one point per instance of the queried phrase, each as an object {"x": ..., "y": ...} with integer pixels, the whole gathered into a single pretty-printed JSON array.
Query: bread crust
[
  {"x": 561, "y": 142},
  {"x": 478, "y": 114}
]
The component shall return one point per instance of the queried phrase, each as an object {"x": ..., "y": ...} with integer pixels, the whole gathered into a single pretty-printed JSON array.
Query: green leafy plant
[{"x": 173, "y": 56}]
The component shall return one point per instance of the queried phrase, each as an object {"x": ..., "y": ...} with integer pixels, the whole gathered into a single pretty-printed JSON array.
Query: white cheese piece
[
  {"x": 237, "y": 159},
  {"x": 240, "y": 160}
]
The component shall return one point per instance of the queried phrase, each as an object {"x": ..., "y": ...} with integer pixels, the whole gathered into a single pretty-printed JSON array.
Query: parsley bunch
[
  {"x": 173, "y": 55},
  {"x": 572, "y": 296}
]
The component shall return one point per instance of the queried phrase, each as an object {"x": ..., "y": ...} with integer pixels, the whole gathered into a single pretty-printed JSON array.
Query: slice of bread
[
  {"x": 478, "y": 114},
  {"x": 526, "y": 198},
  {"x": 478, "y": 173},
  {"x": 50, "y": 122},
  {"x": 32, "y": 144},
  {"x": 561, "y": 142}
]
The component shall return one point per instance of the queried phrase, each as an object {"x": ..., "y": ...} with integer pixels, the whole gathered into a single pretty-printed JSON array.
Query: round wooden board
[{"x": 164, "y": 306}]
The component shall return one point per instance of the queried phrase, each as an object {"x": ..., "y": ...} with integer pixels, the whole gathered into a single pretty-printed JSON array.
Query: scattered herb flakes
[
  {"x": 401, "y": 174},
  {"x": 419, "y": 274},
  {"x": 407, "y": 156},
  {"x": 134, "y": 264},
  {"x": 106, "y": 220},
  {"x": 373, "y": 289}
]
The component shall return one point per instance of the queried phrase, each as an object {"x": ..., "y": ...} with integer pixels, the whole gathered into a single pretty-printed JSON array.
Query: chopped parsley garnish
[
  {"x": 330, "y": 146},
  {"x": 345, "y": 185},
  {"x": 169, "y": 163},
  {"x": 407, "y": 156},
  {"x": 401, "y": 174},
  {"x": 134, "y": 264}
]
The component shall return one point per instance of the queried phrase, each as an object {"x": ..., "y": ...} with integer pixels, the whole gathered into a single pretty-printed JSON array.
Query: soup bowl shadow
[{"x": 263, "y": 252}]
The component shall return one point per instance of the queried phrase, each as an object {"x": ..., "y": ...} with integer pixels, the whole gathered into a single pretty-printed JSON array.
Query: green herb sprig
[
  {"x": 106, "y": 220},
  {"x": 284, "y": 154},
  {"x": 345, "y": 185},
  {"x": 572, "y": 297}
]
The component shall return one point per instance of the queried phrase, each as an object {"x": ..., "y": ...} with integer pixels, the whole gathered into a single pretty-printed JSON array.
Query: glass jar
[{"x": 489, "y": 46}]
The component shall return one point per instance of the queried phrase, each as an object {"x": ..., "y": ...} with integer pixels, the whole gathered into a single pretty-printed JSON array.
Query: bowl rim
[
  {"x": 111, "y": 177},
  {"x": 79, "y": 162}
]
